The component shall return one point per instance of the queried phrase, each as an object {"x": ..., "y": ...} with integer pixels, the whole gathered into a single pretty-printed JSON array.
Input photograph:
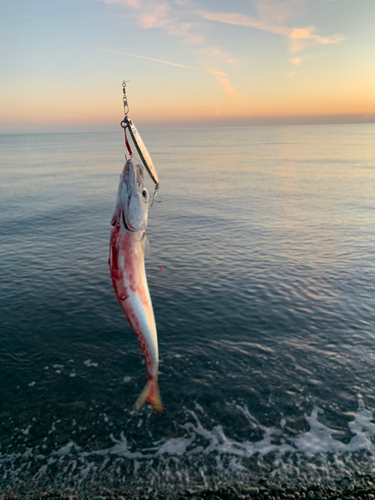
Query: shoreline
[{"x": 344, "y": 489}]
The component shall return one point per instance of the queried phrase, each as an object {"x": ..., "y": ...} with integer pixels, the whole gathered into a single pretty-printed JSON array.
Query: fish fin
[
  {"x": 151, "y": 394},
  {"x": 114, "y": 216},
  {"x": 154, "y": 396},
  {"x": 147, "y": 245},
  {"x": 142, "y": 397}
]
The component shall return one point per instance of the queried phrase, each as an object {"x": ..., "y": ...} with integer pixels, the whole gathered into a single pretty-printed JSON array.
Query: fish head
[{"x": 133, "y": 198}]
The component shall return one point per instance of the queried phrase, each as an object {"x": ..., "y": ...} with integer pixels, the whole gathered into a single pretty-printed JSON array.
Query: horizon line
[{"x": 201, "y": 123}]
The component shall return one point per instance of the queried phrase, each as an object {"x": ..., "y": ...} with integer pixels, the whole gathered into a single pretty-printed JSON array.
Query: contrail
[{"x": 167, "y": 62}]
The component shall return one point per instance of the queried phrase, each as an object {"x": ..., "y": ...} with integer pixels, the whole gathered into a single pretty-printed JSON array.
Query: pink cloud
[
  {"x": 276, "y": 11},
  {"x": 297, "y": 36},
  {"x": 135, "y": 4},
  {"x": 243, "y": 20},
  {"x": 155, "y": 16},
  {"x": 184, "y": 30}
]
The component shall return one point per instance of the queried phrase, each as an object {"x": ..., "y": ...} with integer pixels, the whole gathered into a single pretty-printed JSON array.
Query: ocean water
[{"x": 262, "y": 277}]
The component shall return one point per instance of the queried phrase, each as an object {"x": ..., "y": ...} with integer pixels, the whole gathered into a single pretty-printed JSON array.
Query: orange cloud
[
  {"x": 301, "y": 33},
  {"x": 227, "y": 86},
  {"x": 296, "y": 61},
  {"x": 298, "y": 35},
  {"x": 223, "y": 79}
]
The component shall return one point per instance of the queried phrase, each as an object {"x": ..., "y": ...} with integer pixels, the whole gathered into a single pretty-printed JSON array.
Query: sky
[{"x": 187, "y": 63}]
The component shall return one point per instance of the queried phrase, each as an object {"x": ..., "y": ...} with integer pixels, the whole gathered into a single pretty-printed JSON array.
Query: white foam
[
  {"x": 90, "y": 363},
  {"x": 175, "y": 446},
  {"x": 319, "y": 439},
  {"x": 184, "y": 458},
  {"x": 66, "y": 449},
  {"x": 200, "y": 441}
]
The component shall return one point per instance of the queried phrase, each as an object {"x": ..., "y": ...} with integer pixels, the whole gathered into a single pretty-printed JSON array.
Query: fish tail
[
  {"x": 151, "y": 394},
  {"x": 154, "y": 396}
]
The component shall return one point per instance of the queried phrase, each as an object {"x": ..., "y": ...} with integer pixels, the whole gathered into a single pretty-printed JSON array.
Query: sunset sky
[{"x": 190, "y": 63}]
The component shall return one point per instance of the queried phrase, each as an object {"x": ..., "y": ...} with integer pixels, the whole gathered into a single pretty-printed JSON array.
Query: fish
[{"x": 128, "y": 245}]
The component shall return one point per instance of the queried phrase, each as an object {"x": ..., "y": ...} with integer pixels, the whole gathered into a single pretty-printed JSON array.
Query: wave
[{"x": 201, "y": 456}]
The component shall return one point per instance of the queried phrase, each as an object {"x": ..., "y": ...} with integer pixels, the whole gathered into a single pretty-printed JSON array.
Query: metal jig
[{"x": 126, "y": 123}]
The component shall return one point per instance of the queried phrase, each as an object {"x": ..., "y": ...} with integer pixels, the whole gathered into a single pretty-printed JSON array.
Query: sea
[{"x": 262, "y": 278}]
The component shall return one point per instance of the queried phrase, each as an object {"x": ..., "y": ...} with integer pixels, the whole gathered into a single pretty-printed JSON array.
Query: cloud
[
  {"x": 277, "y": 11},
  {"x": 296, "y": 61},
  {"x": 298, "y": 35},
  {"x": 301, "y": 33},
  {"x": 135, "y": 4},
  {"x": 243, "y": 20},
  {"x": 155, "y": 16},
  {"x": 227, "y": 86},
  {"x": 184, "y": 30},
  {"x": 271, "y": 20},
  {"x": 224, "y": 56},
  {"x": 223, "y": 79}
]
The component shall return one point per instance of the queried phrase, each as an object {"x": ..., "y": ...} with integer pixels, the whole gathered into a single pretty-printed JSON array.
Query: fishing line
[
  {"x": 126, "y": 123},
  {"x": 123, "y": 48}
]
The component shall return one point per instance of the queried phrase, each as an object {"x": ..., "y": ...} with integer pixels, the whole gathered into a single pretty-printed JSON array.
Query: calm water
[{"x": 265, "y": 309}]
